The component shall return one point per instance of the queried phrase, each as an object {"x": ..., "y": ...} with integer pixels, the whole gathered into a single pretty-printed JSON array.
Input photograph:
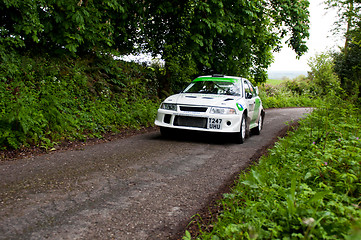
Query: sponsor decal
[
  {"x": 258, "y": 104},
  {"x": 256, "y": 109},
  {"x": 239, "y": 106}
]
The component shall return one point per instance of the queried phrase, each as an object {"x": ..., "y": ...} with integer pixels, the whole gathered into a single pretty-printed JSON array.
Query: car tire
[
  {"x": 241, "y": 135},
  {"x": 259, "y": 127}
]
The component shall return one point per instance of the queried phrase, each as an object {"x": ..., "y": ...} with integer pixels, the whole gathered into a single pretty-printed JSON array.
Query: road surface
[{"x": 141, "y": 187}]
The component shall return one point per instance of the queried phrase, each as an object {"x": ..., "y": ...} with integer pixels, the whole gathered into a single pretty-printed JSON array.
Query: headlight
[
  {"x": 218, "y": 110},
  {"x": 169, "y": 106}
]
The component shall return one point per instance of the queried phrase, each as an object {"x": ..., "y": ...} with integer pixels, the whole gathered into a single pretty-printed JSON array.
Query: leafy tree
[
  {"x": 77, "y": 26},
  {"x": 348, "y": 61},
  {"x": 225, "y": 36},
  {"x": 349, "y": 13},
  {"x": 348, "y": 65},
  {"x": 19, "y": 22},
  {"x": 164, "y": 30},
  {"x": 192, "y": 36},
  {"x": 322, "y": 75}
]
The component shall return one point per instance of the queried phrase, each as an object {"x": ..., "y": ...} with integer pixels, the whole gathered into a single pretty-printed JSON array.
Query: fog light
[{"x": 167, "y": 118}]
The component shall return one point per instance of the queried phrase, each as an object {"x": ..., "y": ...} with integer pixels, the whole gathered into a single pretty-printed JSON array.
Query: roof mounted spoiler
[{"x": 217, "y": 75}]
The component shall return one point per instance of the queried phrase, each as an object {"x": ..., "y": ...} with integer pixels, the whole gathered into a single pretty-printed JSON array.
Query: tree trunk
[{"x": 349, "y": 23}]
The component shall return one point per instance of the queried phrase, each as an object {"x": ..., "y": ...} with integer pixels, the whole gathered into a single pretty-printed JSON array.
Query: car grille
[
  {"x": 193, "y": 109},
  {"x": 190, "y": 122}
]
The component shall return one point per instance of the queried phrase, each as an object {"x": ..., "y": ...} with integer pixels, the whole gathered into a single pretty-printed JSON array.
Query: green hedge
[{"x": 44, "y": 100}]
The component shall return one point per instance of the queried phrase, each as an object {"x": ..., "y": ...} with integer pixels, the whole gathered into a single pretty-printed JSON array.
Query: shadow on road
[{"x": 176, "y": 135}]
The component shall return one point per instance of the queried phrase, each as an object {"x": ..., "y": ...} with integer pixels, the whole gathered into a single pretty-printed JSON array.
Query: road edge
[{"x": 208, "y": 214}]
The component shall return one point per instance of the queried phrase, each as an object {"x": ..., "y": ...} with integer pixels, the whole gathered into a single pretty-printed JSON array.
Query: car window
[
  {"x": 248, "y": 88},
  {"x": 213, "y": 87},
  {"x": 253, "y": 90}
]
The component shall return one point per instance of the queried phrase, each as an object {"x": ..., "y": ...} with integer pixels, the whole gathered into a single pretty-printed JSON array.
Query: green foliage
[
  {"x": 193, "y": 37},
  {"x": 308, "y": 187},
  {"x": 322, "y": 74},
  {"x": 286, "y": 99},
  {"x": 348, "y": 69},
  {"x": 223, "y": 36},
  {"x": 299, "y": 92},
  {"x": 76, "y": 26},
  {"x": 348, "y": 65},
  {"x": 20, "y": 23},
  {"x": 348, "y": 61},
  {"x": 274, "y": 82},
  {"x": 305, "y": 91},
  {"x": 349, "y": 15},
  {"x": 46, "y": 100}
]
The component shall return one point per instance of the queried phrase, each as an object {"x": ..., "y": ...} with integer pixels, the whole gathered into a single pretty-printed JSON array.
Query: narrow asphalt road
[{"x": 141, "y": 187}]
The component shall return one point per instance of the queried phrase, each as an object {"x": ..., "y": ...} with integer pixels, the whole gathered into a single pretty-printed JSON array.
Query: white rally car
[{"x": 216, "y": 103}]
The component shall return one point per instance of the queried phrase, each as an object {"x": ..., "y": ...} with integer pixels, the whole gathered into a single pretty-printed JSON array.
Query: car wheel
[
  {"x": 258, "y": 129},
  {"x": 241, "y": 135}
]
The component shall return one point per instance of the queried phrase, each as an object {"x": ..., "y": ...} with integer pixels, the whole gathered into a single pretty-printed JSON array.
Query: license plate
[{"x": 214, "y": 123}]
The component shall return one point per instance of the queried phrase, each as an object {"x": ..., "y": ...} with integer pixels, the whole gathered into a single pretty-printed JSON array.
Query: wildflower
[
  {"x": 314, "y": 143},
  {"x": 339, "y": 139},
  {"x": 308, "y": 221},
  {"x": 326, "y": 163},
  {"x": 357, "y": 138}
]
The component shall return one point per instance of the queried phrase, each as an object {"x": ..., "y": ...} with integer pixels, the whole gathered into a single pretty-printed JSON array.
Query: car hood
[{"x": 201, "y": 99}]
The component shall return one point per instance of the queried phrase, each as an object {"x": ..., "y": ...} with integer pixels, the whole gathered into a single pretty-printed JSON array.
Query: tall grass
[{"x": 307, "y": 187}]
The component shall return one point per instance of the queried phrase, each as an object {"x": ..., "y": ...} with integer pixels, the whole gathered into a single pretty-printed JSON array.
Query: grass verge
[{"x": 307, "y": 187}]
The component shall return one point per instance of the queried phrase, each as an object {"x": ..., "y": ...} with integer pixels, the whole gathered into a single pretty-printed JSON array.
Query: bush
[
  {"x": 298, "y": 92},
  {"x": 304, "y": 91},
  {"x": 322, "y": 75},
  {"x": 47, "y": 99},
  {"x": 308, "y": 187}
]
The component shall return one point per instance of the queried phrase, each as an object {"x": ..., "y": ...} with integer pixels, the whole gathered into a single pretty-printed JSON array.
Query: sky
[{"x": 321, "y": 40}]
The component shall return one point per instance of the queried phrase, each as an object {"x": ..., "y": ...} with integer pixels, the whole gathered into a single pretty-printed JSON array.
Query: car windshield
[{"x": 213, "y": 87}]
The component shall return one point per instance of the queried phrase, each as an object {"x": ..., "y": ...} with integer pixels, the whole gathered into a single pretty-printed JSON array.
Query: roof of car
[{"x": 218, "y": 78}]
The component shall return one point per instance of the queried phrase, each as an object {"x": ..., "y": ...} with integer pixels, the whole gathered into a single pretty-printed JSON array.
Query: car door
[
  {"x": 257, "y": 104},
  {"x": 250, "y": 99}
]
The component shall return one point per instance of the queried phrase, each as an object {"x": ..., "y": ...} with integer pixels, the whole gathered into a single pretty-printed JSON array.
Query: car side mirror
[{"x": 257, "y": 91}]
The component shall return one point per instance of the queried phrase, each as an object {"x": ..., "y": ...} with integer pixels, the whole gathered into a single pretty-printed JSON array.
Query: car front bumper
[{"x": 223, "y": 123}]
